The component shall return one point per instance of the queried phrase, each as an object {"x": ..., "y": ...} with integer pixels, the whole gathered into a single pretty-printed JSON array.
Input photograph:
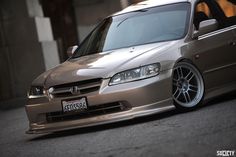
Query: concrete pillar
[
  {"x": 124, "y": 3},
  {"x": 27, "y": 48},
  {"x": 90, "y": 12}
]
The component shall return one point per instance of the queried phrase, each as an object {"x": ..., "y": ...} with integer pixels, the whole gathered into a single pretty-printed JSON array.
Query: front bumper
[{"x": 145, "y": 97}]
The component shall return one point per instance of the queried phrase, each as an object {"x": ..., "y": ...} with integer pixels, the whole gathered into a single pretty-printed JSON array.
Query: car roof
[{"x": 149, "y": 4}]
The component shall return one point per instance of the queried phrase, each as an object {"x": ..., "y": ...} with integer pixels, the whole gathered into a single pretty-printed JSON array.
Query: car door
[
  {"x": 214, "y": 53},
  {"x": 227, "y": 11}
]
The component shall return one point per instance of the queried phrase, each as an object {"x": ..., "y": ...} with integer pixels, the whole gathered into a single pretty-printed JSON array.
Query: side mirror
[
  {"x": 71, "y": 50},
  {"x": 206, "y": 26}
]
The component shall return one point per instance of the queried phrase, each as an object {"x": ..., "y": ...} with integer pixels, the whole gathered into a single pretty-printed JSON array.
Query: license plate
[{"x": 74, "y": 105}]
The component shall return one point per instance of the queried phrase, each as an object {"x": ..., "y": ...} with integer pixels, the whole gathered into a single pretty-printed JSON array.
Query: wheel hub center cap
[{"x": 183, "y": 85}]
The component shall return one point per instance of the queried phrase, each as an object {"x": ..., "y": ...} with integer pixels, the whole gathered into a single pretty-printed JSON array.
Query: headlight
[
  {"x": 36, "y": 91},
  {"x": 136, "y": 74}
]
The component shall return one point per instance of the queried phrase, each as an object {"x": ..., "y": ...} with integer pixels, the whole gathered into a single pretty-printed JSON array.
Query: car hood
[{"x": 101, "y": 65}]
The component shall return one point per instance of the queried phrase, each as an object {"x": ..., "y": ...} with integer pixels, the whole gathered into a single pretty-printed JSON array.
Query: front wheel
[{"x": 188, "y": 86}]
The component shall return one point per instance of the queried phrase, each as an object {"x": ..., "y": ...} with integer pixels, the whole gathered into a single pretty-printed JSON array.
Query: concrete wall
[{"x": 27, "y": 47}]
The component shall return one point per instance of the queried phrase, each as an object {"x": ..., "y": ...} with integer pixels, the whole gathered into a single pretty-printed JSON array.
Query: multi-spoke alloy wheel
[{"x": 188, "y": 86}]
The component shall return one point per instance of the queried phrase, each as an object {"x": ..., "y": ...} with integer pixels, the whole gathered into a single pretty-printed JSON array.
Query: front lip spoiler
[{"x": 165, "y": 105}]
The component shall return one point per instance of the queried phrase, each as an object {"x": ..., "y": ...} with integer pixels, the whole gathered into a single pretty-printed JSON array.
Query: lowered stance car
[{"x": 151, "y": 57}]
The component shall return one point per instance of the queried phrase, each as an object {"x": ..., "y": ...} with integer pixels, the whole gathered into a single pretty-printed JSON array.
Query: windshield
[{"x": 140, "y": 27}]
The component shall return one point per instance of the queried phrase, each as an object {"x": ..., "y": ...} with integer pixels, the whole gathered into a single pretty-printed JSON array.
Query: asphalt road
[{"x": 197, "y": 133}]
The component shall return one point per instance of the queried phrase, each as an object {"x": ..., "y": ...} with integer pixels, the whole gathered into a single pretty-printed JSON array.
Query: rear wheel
[{"x": 188, "y": 86}]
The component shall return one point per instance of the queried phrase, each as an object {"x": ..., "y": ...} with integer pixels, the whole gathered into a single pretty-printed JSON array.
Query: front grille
[
  {"x": 75, "y": 88},
  {"x": 92, "y": 111}
]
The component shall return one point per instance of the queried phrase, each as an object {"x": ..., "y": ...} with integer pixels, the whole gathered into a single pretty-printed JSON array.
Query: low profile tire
[{"x": 188, "y": 86}]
